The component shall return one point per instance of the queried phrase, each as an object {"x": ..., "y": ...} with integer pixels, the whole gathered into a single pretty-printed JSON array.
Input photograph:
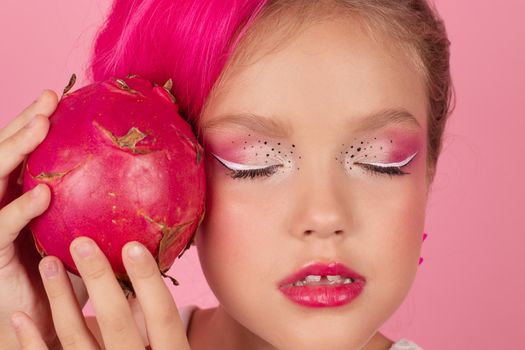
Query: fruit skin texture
[{"x": 122, "y": 165}]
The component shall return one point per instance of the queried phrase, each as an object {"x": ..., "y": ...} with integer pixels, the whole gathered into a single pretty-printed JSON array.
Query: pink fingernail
[
  {"x": 84, "y": 249},
  {"x": 135, "y": 251},
  {"x": 50, "y": 269}
]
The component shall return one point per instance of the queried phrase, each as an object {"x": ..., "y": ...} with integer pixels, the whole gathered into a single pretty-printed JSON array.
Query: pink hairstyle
[
  {"x": 186, "y": 40},
  {"x": 194, "y": 41}
]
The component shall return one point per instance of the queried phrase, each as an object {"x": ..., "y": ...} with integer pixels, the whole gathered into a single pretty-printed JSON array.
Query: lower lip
[{"x": 324, "y": 296}]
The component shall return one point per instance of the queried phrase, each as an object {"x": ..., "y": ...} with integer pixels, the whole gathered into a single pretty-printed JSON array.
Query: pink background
[{"x": 470, "y": 290}]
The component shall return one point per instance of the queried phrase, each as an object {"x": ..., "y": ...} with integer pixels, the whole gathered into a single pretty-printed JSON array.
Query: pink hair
[{"x": 186, "y": 40}]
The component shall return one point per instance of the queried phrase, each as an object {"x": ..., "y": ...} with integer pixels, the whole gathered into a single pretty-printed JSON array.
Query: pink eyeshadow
[
  {"x": 250, "y": 149},
  {"x": 402, "y": 146}
]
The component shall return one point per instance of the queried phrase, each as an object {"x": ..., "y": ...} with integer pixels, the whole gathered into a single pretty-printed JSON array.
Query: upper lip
[{"x": 321, "y": 269}]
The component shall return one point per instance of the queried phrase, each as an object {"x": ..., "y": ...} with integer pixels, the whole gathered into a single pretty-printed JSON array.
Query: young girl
[{"x": 321, "y": 122}]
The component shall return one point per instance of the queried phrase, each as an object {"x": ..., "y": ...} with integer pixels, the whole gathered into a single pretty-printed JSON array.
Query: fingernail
[
  {"x": 135, "y": 251},
  {"x": 16, "y": 322},
  {"x": 84, "y": 249},
  {"x": 36, "y": 191},
  {"x": 50, "y": 269}
]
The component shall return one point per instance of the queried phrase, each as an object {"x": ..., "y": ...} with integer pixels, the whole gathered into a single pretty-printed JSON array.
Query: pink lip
[{"x": 323, "y": 295}]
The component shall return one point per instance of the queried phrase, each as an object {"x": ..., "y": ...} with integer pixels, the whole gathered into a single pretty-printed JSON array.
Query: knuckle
[
  {"x": 8, "y": 145},
  {"x": 117, "y": 323},
  {"x": 55, "y": 292},
  {"x": 68, "y": 338},
  {"x": 146, "y": 271},
  {"x": 168, "y": 315},
  {"x": 16, "y": 215},
  {"x": 95, "y": 272},
  {"x": 21, "y": 211}
]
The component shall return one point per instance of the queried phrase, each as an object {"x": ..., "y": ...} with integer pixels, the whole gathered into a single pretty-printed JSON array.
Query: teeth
[
  {"x": 312, "y": 278},
  {"x": 333, "y": 278},
  {"x": 315, "y": 280}
]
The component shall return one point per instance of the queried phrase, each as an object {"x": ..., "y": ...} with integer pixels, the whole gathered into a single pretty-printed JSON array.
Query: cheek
[
  {"x": 399, "y": 223},
  {"x": 232, "y": 239},
  {"x": 398, "y": 235}
]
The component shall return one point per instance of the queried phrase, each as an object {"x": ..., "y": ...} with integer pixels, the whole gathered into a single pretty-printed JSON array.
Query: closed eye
[
  {"x": 387, "y": 168},
  {"x": 244, "y": 171}
]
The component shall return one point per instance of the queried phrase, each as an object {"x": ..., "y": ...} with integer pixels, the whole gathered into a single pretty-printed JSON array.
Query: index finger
[
  {"x": 44, "y": 105},
  {"x": 113, "y": 314},
  {"x": 163, "y": 323}
]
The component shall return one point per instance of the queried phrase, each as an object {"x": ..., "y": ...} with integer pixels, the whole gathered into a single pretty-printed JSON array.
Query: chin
[
  {"x": 342, "y": 342},
  {"x": 333, "y": 336}
]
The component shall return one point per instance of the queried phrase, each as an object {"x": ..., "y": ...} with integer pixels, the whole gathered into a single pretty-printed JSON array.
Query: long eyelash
[
  {"x": 391, "y": 170},
  {"x": 377, "y": 170},
  {"x": 240, "y": 174}
]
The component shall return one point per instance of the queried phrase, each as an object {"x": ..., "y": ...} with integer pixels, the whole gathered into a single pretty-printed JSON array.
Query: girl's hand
[
  {"x": 118, "y": 328},
  {"x": 20, "y": 284}
]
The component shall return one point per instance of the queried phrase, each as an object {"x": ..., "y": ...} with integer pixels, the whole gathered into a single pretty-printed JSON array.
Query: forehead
[{"x": 331, "y": 71}]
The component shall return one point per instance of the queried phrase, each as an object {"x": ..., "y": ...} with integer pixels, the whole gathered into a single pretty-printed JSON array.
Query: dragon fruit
[{"x": 122, "y": 165}]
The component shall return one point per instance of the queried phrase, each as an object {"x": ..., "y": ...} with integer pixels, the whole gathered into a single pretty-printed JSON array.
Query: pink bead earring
[{"x": 421, "y": 258}]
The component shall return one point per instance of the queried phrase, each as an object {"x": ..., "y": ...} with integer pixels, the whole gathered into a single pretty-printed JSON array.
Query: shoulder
[{"x": 405, "y": 344}]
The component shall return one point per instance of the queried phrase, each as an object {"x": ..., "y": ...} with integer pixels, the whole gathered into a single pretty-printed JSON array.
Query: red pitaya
[{"x": 122, "y": 165}]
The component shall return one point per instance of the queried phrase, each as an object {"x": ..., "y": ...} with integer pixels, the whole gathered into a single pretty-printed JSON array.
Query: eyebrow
[{"x": 273, "y": 127}]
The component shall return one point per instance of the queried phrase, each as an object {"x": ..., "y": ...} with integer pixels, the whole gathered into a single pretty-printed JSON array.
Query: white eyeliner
[
  {"x": 236, "y": 166},
  {"x": 396, "y": 164}
]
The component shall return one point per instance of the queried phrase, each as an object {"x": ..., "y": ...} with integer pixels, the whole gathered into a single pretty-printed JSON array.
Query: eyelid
[
  {"x": 395, "y": 164},
  {"x": 237, "y": 166}
]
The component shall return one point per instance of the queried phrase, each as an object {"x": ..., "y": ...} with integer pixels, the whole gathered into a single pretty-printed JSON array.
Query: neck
[{"x": 215, "y": 329}]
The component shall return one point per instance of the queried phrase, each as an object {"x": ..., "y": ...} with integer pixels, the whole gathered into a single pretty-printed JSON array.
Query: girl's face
[{"x": 317, "y": 103}]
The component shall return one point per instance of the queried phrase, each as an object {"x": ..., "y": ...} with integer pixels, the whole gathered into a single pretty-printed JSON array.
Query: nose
[{"x": 321, "y": 212}]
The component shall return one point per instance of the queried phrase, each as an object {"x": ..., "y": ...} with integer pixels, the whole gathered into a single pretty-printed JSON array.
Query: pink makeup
[
  {"x": 251, "y": 152},
  {"x": 320, "y": 284},
  {"x": 389, "y": 149}
]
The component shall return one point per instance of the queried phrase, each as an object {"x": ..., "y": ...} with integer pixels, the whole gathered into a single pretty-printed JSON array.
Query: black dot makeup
[
  {"x": 386, "y": 148},
  {"x": 391, "y": 150},
  {"x": 246, "y": 157}
]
